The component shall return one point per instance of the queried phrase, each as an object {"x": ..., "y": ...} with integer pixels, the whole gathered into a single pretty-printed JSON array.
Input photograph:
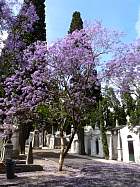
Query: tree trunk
[
  {"x": 24, "y": 131},
  {"x": 81, "y": 141},
  {"x": 64, "y": 151},
  {"x": 22, "y": 148},
  {"x": 21, "y": 141},
  {"x": 61, "y": 159},
  {"x": 103, "y": 133}
]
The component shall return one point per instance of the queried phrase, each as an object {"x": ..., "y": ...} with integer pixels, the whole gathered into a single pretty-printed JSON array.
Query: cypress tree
[
  {"x": 103, "y": 131},
  {"x": 77, "y": 24}
]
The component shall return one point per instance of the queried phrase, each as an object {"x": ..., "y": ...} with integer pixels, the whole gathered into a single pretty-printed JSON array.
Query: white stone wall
[
  {"x": 96, "y": 135},
  {"x": 136, "y": 144},
  {"x": 93, "y": 146},
  {"x": 88, "y": 142},
  {"x": 114, "y": 149},
  {"x": 75, "y": 145}
]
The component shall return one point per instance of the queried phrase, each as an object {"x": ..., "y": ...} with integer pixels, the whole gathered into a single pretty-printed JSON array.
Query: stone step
[
  {"x": 22, "y": 157},
  {"x": 19, "y": 168},
  {"x": 27, "y": 168},
  {"x": 20, "y": 161}
]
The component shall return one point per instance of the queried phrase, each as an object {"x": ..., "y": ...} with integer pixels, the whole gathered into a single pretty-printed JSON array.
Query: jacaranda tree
[
  {"x": 123, "y": 72},
  {"x": 63, "y": 69},
  {"x": 19, "y": 28},
  {"x": 12, "y": 54}
]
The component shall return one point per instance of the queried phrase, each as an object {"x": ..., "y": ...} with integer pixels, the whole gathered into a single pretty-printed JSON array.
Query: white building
[
  {"x": 130, "y": 144},
  {"x": 123, "y": 143}
]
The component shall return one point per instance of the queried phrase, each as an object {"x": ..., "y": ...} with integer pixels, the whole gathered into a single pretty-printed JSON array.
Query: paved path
[{"x": 80, "y": 171}]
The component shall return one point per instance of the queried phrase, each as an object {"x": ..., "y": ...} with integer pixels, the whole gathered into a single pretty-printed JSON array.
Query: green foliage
[
  {"x": 128, "y": 102},
  {"x": 132, "y": 107},
  {"x": 113, "y": 109},
  {"x": 105, "y": 115},
  {"x": 43, "y": 111},
  {"x": 103, "y": 131},
  {"x": 54, "y": 114},
  {"x": 135, "y": 114},
  {"x": 76, "y": 22},
  {"x": 110, "y": 119},
  {"x": 120, "y": 115}
]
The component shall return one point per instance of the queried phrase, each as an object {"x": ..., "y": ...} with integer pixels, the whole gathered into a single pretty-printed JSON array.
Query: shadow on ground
[{"x": 54, "y": 155}]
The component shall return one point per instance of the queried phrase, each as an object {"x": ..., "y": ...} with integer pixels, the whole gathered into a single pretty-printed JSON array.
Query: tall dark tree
[
  {"x": 77, "y": 24},
  {"x": 103, "y": 130},
  {"x": 111, "y": 101},
  {"x": 39, "y": 33}
]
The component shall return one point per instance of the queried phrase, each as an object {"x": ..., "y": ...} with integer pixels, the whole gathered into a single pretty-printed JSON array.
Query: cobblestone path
[{"x": 78, "y": 172}]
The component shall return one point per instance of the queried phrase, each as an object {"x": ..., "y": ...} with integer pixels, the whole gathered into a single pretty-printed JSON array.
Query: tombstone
[
  {"x": 40, "y": 139},
  {"x": 75, "y": 145},
  {"x": 52, "y": 139},
  {"x": 45, "y": 140},
  {"x": 31, "y": 138},
  {"x": 7, "y": 151},
  {"x": 29, "y": 159},
  {"x": 88, "y": 130},
  {"x": 15, "y": 142},
  {"x": 35, "y": 139},
  {"x": 48, "y": 136}
]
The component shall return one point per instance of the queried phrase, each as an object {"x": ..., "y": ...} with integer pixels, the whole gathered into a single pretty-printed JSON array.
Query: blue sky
[{"x": 122, "y": 15}]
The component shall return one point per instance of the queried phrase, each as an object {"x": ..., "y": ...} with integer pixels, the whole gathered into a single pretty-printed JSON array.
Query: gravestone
[
  {"x": 48, "y": 136},
  {"x": 7, "y": 151},
  {"x": 15, "y": 142},
  {"x": 40, "y": 139},
  {"x": 29, "y": 159},
  {"x": 75, "y": 145},
  {"x": 35, "y": 139},
  {"x": 52, "y": 139}
]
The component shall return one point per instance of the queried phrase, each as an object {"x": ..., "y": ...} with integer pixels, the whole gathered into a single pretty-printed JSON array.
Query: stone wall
[{"x": 126, "y": 136}]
